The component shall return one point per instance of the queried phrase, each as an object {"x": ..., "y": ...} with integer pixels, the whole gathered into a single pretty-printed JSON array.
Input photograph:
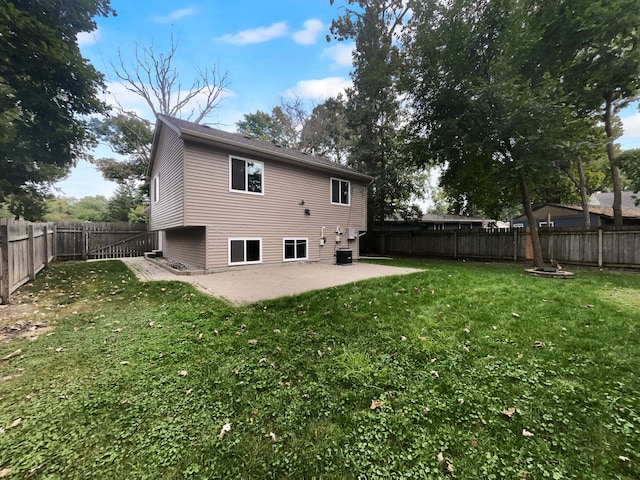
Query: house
[
  {"x": 605, "y": 199},
  {"x": 224, "y": 200},
  {"x": 557, "y": 215},
  {"x": 432, "y": 222}
]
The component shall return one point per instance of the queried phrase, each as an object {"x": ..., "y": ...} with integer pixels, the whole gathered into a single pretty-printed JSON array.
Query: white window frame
[
  {"x": 331, "y": 191},
  {"x": 245, "y": 240},
  {"x": 543, "y": 223},
  {"x": 156, "y": 189},
  {"x": 246, "y": 176},
  {"x": 295, "y": 249}
]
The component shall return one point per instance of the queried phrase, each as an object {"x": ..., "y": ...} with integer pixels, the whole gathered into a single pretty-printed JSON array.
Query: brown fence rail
[
  {"x": 603, "y": 247},
  {"x": 26, "y": 248}
]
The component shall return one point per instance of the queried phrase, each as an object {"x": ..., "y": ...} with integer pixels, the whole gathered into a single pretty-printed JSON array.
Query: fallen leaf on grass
[
  {"x": 273, "y": 436},
  {"x": 515, "y": 315},
  {"x": 375, "y": 404},
  {"x": 188, "y": 392},
  {"x": 440, "y": 457},
  {"x": 59, "y": 349},
  {"x": 508, "y": 412},
  {"x": 422, "y": 339},
  {"x": 124, "y": 363},
  {"x": 15, "y": 423},
  {"x": 116, "y": 330},
  {"x": 252, "y": 341},
  {"x": 5, "y": 472},
  {"x": 538, "y": 344},
  {"x": 526, "y": 433},
  {"x": 126, "y": 401},
  {"x": 225, "y": 428},
  {"x": 449, "y": 467},
  {"x": 624, "y": 459},
  {"x": 403, "y": 338},
  {"x": 11, "y": 355},
  {"x": 434, "y": 373},
  {"x": 183, "y": 373}
]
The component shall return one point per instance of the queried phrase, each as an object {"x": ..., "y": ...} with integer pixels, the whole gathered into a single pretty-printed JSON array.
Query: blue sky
[{"x": 270, "y": 49}]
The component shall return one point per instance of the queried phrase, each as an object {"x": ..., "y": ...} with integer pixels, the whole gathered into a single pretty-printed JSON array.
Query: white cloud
[
  {"x": 175, "y": 15},
  {"x": 631, "y": 126},
  {"x": 340, "y": 54},
  {"x": 86, "y": 39},
  {"x": 309, "y": 34},
  {"x": 320, "y": 89},
  {"x": 256, "y": 35}
]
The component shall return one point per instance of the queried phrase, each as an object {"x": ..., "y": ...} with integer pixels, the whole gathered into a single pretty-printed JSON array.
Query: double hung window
[
  {"x": 340, "y": 191},
  {"x": 246, "y": 176}
]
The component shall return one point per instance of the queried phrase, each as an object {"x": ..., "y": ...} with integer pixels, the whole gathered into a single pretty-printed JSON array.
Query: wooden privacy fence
[
  {"x": 83, "y": 241},
  {"x": 26, "y": 248},
  {"x": 603, "y": 247}
]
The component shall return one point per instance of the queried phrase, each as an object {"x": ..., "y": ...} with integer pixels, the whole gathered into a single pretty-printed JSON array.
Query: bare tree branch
[{"x": 153, "y": 77}]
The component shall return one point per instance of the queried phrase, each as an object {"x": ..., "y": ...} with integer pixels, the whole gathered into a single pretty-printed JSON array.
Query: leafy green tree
[
  {"x": 127, "y": 198},
  {"x": 629, "y": 161},
  {"x": 86, "y": 209},
  {"x": 262, "y": 126},
  {"x": 130, "y": 137},
  {"x": 374, "y": 114},
  {"x": 46, "y": 91},
  {"x": 594, "y": 45},
  {"x": 497, "y": 133},
  {"x": 326, "y": 133}
]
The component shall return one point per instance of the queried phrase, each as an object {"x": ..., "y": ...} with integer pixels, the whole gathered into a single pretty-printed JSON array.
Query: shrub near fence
[
  {"x": 603, "y": 247},
  {"x": 26, "y": 248}
]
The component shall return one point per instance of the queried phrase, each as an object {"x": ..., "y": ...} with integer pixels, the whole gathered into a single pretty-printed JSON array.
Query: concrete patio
[{"x": 267, "y": 282}]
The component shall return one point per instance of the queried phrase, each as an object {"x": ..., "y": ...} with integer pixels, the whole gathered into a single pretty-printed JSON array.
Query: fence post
[
  {"x": 45, "y": 234},
  {"x": 5, "y": 281},
  {"x": 54, "y": 246},
  {"x": 515, "y": 244},
  {"x": 31, "y": 252},
  {"x": 85, "y": 241},
  {"x": 455, "y": 244},
  {"x": 600, "y": 246}
]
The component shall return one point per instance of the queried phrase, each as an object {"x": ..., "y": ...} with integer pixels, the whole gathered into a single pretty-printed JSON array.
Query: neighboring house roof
[
  {"x": 205, "y": 134},
  {"x": 446, "y": 218},
  {"x": 577, "y": 209},
  {"x": 605, "y": 199}
]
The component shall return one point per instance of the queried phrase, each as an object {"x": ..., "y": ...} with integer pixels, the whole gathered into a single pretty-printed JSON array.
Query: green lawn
[{"x": 465, "y": 370}]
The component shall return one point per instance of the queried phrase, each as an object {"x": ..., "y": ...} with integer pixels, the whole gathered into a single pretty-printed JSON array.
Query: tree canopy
[{"x": 46, "y": 87}]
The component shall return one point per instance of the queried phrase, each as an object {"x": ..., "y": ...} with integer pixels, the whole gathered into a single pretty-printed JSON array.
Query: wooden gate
[{"x": 100, "y": 240}]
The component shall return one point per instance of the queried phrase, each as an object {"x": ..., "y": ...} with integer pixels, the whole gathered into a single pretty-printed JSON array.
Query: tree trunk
[
  {"x": 615, "y": 170},
  {"x": 538, "y": 260},
  {"x": 583, "y": 196}
]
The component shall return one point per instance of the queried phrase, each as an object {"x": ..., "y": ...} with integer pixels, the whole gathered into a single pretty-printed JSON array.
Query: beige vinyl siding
[
  {"x": 186, "y": 245},
  {"x": 276, "y": 215},
  {"x": 168, "y": 211}
]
